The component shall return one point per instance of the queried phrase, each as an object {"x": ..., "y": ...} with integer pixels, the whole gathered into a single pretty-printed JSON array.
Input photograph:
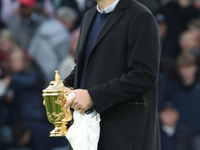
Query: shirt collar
[
  {"x": 108, "y": 9},
  {"x": 168, "y": 130}
]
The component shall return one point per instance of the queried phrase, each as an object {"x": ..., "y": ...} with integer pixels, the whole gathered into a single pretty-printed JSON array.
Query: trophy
[{"x": 55, "y": 97}]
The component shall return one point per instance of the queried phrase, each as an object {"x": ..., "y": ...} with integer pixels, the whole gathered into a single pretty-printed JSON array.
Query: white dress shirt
[{"x": 108, "y": 9}]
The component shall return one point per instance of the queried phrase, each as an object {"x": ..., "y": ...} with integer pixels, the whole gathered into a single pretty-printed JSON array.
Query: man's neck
[{"x": 104, "y": 3}]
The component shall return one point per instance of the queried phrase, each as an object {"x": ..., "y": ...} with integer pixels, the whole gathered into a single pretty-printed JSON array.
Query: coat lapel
[
  {"x": 113, "y": 18},
  {"x": 86, "y": 29},
  {"x": 110, "y": 22}
]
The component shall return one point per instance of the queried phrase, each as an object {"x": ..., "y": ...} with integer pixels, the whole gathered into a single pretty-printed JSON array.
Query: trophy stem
[{"x": 59, "y": 130}]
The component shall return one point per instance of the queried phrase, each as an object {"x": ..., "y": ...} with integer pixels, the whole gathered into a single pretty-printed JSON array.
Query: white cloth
[{"x": 84, "y": 132}]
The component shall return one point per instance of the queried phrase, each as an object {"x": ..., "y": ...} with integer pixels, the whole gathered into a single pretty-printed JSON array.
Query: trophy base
[{"x": 60, "y": 131}]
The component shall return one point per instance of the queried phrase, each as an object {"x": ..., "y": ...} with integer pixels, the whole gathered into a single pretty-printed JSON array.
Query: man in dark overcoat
[{"x": 116, "y": 73}]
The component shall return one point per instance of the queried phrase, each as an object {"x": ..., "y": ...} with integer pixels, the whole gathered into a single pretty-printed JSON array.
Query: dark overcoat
[{"x": 121, "y": 76}]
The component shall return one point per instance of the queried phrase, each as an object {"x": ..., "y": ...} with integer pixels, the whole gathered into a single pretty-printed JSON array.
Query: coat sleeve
[{"x": 143, "y": 62}]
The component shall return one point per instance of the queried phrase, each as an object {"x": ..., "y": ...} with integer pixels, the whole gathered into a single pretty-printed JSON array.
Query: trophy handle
[
  {"x": 65, "y": 114},
  {"x": 68, "y": 112}
]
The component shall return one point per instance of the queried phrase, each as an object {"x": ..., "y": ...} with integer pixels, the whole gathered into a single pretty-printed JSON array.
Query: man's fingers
[
  {"x": 69, "y": 103},
  {"x": 44, "y": 102},
  {"x": 73, "y": 105},
  {"x": 69, "y": 90},
  {"x": 77, "y": 107},
  {"x": 81, "y": 111}
]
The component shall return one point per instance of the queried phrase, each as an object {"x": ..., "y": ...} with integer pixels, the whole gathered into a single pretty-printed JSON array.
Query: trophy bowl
[{"x": 55, "y": 97}]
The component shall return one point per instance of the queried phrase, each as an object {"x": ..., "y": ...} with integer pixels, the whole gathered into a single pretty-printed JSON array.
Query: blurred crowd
[
  {"x": 179, "y": 80},
  {"x": 38, "y": 37}
]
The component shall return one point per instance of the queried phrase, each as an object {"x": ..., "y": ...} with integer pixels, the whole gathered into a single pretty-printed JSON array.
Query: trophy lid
[{"x": 55, "y": 86}]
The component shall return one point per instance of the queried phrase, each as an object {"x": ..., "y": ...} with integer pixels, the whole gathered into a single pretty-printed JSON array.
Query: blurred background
[{"x": 38, "y": 37}]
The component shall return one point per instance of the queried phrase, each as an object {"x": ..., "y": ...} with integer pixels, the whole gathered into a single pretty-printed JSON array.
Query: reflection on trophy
[{"x": 55, "y": 97}]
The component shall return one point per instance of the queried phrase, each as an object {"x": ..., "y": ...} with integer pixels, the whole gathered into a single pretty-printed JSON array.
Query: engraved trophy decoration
[{"x": 55, "y": 97}]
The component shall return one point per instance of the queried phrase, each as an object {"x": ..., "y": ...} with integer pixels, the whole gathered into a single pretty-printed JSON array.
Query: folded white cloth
[{"x": 84, "y": 132}]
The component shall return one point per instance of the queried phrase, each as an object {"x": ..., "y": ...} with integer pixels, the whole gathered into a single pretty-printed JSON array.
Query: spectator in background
[
  {"x": 168, "y": 45},
  {"x": 51, "y": 43},
  {"x": 7, "y": 45},
  {"x": 197, "y": 4},
  {"x": 8, "y": 9},
  {"x": 68, "y": 63},
  {"x": 69, "y": 3},
  {"x": 173, "y": 135},
  {"x": 194, "y": 27},
  {"x": 46, "y": 7},
  {"x": 23, "y": 25},
  {"x": 26, "y": 99},
  {"x": 23, "y": 83},
  {"x": 178, "y": 14},
  {"x": 189, "y": 42},
  {"x": 184, "y": 92},
  {"x": 80, "y": 6}
]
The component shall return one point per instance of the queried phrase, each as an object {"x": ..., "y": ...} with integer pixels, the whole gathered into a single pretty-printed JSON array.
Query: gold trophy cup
[{"x": 55, "y": 97}]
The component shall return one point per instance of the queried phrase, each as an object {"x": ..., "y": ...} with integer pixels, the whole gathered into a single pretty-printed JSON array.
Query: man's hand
[{"x": 81, "y": 101}]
